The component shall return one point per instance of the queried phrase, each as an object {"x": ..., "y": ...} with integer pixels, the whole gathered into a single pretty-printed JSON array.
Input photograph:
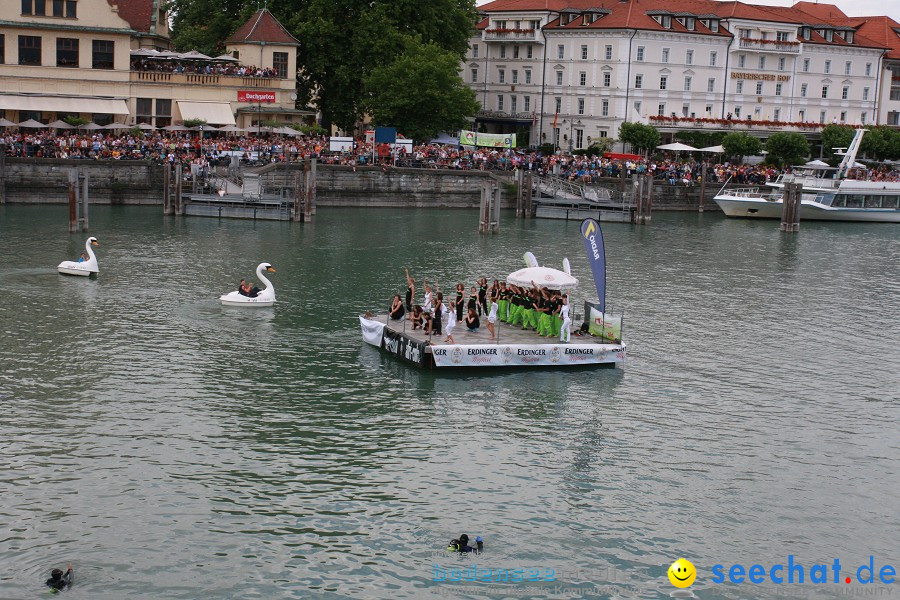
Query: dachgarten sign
[{"x": 251, "y": 96}]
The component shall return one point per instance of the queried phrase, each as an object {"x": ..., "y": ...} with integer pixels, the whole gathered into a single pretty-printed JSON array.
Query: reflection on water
[{"x": 166, "y": 444}]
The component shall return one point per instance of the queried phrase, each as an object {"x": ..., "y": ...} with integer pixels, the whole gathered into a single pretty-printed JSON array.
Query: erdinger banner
[
  {"x": 372, "y": 331},
  {"x": 491, "y": 140},
  {"x": 593, "y": 243},
  {"x": 253, "y": 96},
  {"x": 403, "y": 348},
  {"x": 603, "y": 325},
  {"x": 520, "y": 355}
]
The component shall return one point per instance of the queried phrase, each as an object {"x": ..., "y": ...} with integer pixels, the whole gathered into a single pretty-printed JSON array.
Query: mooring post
[
  {"x": 73, "y": 203},
  {"x": 85, "y": 200},
  {"x": 790, "y": 209},
  {"x": 2, "y": 173},
  {"x": 297, "y": 213},
  {"x": 482, "y": 210},
  {"x": 637, "y": 194},
  {"x": 624, "y": 175},
  {"x": 648, "y": 206},
  {"x": 307, "y": 183},
  {"x": 179, "y": 182},
  {"x": 702, "y": 185},
  {"x": 167, "y": 188},
  {"x": 312, "y": 187},
  {"x": 520, "y": 192}
]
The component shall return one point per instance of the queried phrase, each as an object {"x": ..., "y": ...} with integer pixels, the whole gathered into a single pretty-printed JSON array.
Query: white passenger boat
[{"x": 826, "y": 195}]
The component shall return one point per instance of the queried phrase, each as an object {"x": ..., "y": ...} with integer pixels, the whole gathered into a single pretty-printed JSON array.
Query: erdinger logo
[
  {"x": 506, "y": 354},
  {"x": 456, "y": 355},
  {"x": 554, "y": 354},
  {"x": 602, "y": 354}
]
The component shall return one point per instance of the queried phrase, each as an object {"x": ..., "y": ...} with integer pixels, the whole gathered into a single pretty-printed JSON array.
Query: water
[{"x": 172, "y": 448}]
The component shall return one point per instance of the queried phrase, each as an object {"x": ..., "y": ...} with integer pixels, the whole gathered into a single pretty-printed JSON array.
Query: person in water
[
  {"x": 397, "y": 311},
  {"x": 83, "y": 257},
  {"x": 59, "y": 580},
  {"x": 462, "y": 544}
]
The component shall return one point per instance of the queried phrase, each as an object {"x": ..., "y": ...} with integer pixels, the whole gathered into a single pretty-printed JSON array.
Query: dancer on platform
[
  {"x": 566, "y": 328},
  {"x": 397, "y": 311},
  {"x": 451, "y": 323},
  {"x": 492, "y": 318},
  {"x": 410, "y": 291},
  {"x": 460, "y": 304}
]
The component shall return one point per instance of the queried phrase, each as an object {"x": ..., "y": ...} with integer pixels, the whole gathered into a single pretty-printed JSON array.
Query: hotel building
[
  {"x": 62, "y": 58},
  {"x": 569, "y": 72}
]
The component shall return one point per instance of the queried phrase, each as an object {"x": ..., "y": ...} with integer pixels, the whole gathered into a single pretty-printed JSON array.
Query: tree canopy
[
  {"x": 836, "y": 136},
  {"x": 639, "y": 136},
  {"x": 787, "y": 148},
  {"x": 739, "y": 144}
]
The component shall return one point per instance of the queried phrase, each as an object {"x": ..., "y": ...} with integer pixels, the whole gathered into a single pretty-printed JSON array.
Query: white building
[{"x": 571, "y": 71}]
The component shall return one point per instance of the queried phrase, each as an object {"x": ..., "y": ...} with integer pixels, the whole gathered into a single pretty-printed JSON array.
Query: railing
[
  {"x": 809, "y": 182},
  {"x": 770, "y": 45},
  {"x": 718, "y": 124},
  {"x": 529, "y": 35},
  {"x": 207, "y": 79},
  {"x": 503, "y": 114}
]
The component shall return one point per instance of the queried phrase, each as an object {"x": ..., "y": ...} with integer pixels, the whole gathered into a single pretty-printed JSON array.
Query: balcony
[
  {"x": 780, "y": 46},
  {"x": 510, "y": 35},
  {"x": 210, "y": 80},
  {"x": 745, "y": 125},
  {"x": 505, "y": 115}
]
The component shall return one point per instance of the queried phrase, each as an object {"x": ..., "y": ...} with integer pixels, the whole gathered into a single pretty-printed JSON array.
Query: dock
[{"x": 514, "y": 347}]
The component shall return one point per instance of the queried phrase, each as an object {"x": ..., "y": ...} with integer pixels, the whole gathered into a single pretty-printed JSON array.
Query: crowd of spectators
[
  {"x": 219, "y": 150},
  {"x": 196, "y": 68}
]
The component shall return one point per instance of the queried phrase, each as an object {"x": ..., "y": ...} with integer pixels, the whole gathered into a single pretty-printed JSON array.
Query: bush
[
  {"x": 547, "y": 148},
  {"x": 194, "y": 122}
]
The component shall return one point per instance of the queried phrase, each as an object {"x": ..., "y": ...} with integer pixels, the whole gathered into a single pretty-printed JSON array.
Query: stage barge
[{"x": 514, "y": 348}]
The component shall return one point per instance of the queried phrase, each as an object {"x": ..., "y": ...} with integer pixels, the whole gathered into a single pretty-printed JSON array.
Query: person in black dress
[
  {"x": 436, "y": 319},
  {"x": 482, "y": 296},
  {"x": 460, "y": 303},
  {"x": 397, "y": 311},
  {"x": 410, "y": 291},
  {"x": 472, "y": 321}
]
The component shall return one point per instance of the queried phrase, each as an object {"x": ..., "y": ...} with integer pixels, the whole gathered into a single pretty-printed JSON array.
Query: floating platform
[
  {"x": 513, "y": 348},
  {"x": 233, "y": 206},
  {"x": 580, "y": 212}
]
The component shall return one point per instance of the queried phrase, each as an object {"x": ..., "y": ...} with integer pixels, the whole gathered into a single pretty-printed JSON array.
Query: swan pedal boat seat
[
  {"x": 84, "y": 269},
  {"x": 265, "y": 297}
]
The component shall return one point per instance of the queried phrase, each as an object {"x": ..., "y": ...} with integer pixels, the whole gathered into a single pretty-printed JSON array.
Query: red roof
[
  {"x": 262, "y": 27},
  {"x": 884, "y": 31},
  {"x": 138, "y": 13}
]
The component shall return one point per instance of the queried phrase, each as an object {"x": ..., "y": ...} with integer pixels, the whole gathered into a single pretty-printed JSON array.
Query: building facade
[
  {"x": 569, "y": 72},
  {"x": 88, "y": 58}
]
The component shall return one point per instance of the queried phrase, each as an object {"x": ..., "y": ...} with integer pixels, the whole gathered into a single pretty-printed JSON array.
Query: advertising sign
[
  {"x": 371, "y": 331},
  {"x": 403, "y": 348},
  {"x": 254, "y": 96},
  {"x": 593, "y": 244},
  {"x": 490, "y": 140},
  {"x": 605, "y": 326},
  {"x": 520, "y": 355}
]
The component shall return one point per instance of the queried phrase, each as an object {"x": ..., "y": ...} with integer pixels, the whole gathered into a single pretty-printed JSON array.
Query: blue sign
[
  {"x": 593, "y": 243},
  {"x": 385, "y": 135}
]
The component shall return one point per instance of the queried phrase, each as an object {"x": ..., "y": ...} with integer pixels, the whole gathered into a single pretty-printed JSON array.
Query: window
[
  {"x": 778, "y": 88},
  {"x": 501, "y": 76},
  {"x": 759, "y": 88},
  {"x": 711, "y": 84},
  {"x": 2, "y": 48},
  {"x": 893, "y": 117},
  {"x": 777, "y": 114},
  {"x": 847, "y": 66},
  {"x": 474, "y": 75},
  {"x": 581, "y": 106},
  {"x": 714, "y": 25},
  {"x": 527, "y": 75},
  {"x": 713, "y": 57},
  {"x": 144, "y": 111},
  {"x": 515, "y": 52},
  {"x": 67, "y": 52},
  {"x": 665, "y": 55},
  {"x": 690, "y": 23},
  {"x": 604, "y": 108},
  {"x": 762, "y": 63},
  {"x": 865, "y": 91},
  {"x": 71, "y": 6},
  {"x": 474, "y": 50},
  {"x": 163, "y": 112},
  {"x": 845, "y": 92},
  {"x": 781, "y": 36},
  {"x": 709, "y": 109},
  {"x": 607, "y": 79},
  {"x": 663, "y": 81},
  {"x": 638, "y": 82},
  {"x": 803, "y": 90},
  {"x": 584, "y": 52},
  {"x": 843, "y": 116},
  {"x": 513, "y": 104},
  {"x": 667, "y": 21},
  {"x": 529, "y": 50},
  {"x": 579, "y": 138},
  {"x": 862, "y": 118},
  {"x": 102, "y": 118},
  {"x": 26, "y": 7},
  {"x": 582, "y": 78},
  {"x": 559, "y": 77},
  {"x": 103, "y": 54},
  {"x": 805, "y": 32},
  {"x": 829, "y": 35},
  {"x": 29, "y": 50},
  {"x": 739, "y": 88},
  {"x": 527, "y": 102},
  {"x": 685, "y": 109},
  {"x": 828, "y": 66},
  {"x": 280, "y": 64},
  {"x": 781, "y": 63},
  {"x": 515, "y": 76},
  {"x": 603, "y": 133},
  {"x": 687, "y": 84},
  {"x": 689, "y": 57},
  {"x": 637, "y": 108},
  {"x": 806, "y": 65},
  {"x": 608, "y": 53},
  {"x": 500, "y": 102},
  {"x": 737, "y": 112},
  {"x": 640, "y": 54},
  {"x": 868, "y": 69},
  {"x": 661, "y": 110},
  {"x": 502, "y": 51},
  {"x": 824, "y": 91},
  {"x": 558, "y": 105},
  {"x": 40, "y": 7},
  {"x": 802, "y": 116},
  {"x": 560, "y": 52},
  {"x": 742, "y": 60},
  {"x": 58, "y": 8}
]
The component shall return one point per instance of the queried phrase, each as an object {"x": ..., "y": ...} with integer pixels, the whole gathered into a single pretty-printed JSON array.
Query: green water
[{"x": 173, "y": 448}]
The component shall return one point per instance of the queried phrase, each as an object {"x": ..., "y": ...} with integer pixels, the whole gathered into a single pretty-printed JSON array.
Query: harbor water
[{"x": 170, "y": 447}]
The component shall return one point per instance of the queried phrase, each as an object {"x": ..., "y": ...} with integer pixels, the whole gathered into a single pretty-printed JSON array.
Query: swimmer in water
[{"x": 59, "y": 581}]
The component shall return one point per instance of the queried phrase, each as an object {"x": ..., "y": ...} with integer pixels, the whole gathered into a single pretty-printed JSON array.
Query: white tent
[
  {"x": 7, "y": 123},
  {"x": 145, "y": 52},
  {"x": 193, "y": 55},
  {"x": 226, "y": 58},
  {"x": 677, "y": 147},
  {"x": 145, "y": 126},
  {"x": 232, "y": 128},
  {"x": 714, "y": 149},
  {"x": 60, "y": 125},
  {"x": 553, "y": 279},
  {"x": 31, "y": 124},
  {"x": 90, "y": 126},
  {"x": 176, "y": 128}
]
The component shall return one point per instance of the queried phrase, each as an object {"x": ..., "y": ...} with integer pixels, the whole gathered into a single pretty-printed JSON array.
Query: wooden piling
[
  {"x": 2, "y": 173},
  {"x": 520, "y": 192},
  {"x": 529, "y": 195},
  {"x": 311, "y": 190},
  {"x": 790, "y": 209},
  {"x": 496, "y": 196},
  {"x": 73, "y": 203},
  {"x": 637, "y": 195},
  {"x": 702, "y": 186},
  {"x": 297, "y": 211},
  {"x": 167, "y": 189},
  {"x": 648, "y": 205},
  {"x": 179, "y": 184},
  {"x": 482, "y": 209},
  {"x": 85, "y": 200}
]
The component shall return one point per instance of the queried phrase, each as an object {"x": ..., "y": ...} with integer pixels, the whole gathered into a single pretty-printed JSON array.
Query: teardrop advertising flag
[{"x": 593, "y": 243}]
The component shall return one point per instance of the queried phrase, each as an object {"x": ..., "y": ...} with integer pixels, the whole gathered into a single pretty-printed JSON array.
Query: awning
[
  {"x": 67, "y": 104},
  {"x": 214, "y": 113}
]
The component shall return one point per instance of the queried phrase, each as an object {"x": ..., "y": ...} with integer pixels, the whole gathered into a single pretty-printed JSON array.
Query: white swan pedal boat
[
  {"x": 265, "y": 297},
  {"x": 84, "y": 269}
]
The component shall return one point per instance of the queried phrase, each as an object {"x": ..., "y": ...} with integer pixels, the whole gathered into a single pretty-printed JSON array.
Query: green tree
[
  {"x": 787, "y": 148},
  {"x": 836, "y": 136},
  {"x": 739, "y": 144},
  {"x": 639, "y": 136},
  {"x": 421, "y": 93},
  {"x": 700, "y": 139},
  {"x": 204, "y": 25},
  {"x": 882, "y": 143}
]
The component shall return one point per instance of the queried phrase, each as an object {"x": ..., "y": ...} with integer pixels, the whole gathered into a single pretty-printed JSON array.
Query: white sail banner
[
  {"x": 372, "y": 331},
  {"x": 513, "y": 355}
]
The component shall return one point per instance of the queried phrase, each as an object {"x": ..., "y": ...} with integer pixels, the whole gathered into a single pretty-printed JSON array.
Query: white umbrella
[
  {"x": 90, "y": 126},
  {"x": 816, "y": 163},
  {"x": 31, "y": 124},
  {"x": 204, "y": 128},
  {"x": 226, "y": 58},
  {"x": 6, "y": 123},
  {"x": 716, "y": 149},
  {"x": 60, "y": 125},
  {"x": 145, "y": 52},
  {"x": 145, "y": 126},
  {"x": 232, "y": 128},
  {"x": 543, "y": 277},
  {"x": 193, "y": 55},
  {"x": 677, "y": 147},
  {"x": 176, "y": 128},
  {"x": 115, "y": 126}
]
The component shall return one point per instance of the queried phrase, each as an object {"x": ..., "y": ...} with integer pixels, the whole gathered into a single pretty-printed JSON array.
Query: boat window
[
  {"x": 839, "y": 201},
  {"x": 873, "y": 202},
  {"x": 855, "y": 200},
  {"x": 826, "y": 199},
  {"x": 890, "y": 201}
]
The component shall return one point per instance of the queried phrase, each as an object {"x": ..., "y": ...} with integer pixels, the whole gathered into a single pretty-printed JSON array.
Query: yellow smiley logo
[{"x": 682, "y": 573}]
